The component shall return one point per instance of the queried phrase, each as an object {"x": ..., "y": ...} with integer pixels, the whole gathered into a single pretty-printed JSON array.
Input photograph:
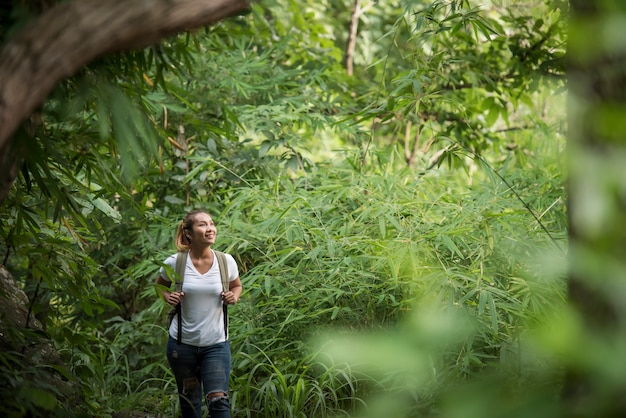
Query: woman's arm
[
  {"x": 162, "y": 288},
  {"x": 234, "y": 292}
]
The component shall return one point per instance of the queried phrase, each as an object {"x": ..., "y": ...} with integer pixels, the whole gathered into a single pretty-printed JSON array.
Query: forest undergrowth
[{"x": 375, "y": 290}]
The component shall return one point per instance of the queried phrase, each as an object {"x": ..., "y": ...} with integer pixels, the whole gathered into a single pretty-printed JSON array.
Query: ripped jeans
[{"x": 201, "y": 370}]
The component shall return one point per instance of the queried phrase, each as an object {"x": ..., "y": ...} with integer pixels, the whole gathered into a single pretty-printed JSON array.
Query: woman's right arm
[{"x": 163, "y": 289}]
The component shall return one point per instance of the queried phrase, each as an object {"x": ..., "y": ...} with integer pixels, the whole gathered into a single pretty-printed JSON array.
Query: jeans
[{"x": 198, "y": 370}]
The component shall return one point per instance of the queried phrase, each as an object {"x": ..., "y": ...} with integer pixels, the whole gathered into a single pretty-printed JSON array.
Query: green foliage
[
  {"x": 361, "y": 252},
  {"x": 459, "y": 78},
  {"x": 423, "y": 193}
]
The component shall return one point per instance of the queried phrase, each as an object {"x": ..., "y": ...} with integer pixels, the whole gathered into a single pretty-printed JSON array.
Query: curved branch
[{"x": 68, "y": 36}]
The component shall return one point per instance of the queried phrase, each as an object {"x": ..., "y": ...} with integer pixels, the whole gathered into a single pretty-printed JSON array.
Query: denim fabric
[{"x": 198, "y": 371}]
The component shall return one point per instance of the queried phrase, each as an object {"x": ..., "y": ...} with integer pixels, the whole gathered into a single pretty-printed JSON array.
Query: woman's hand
[
  {"x": 173, "y": 298},
  {"x": 229, "y": 298}
]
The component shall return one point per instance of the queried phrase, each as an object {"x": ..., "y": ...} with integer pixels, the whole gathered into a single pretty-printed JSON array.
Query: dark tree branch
[{"x": 71, "y": 34}]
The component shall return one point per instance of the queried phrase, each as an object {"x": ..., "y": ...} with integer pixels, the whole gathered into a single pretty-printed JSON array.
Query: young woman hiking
[{"x": 197, "y": 349}]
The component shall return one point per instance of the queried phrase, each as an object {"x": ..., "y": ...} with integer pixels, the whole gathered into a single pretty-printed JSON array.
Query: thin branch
[
  {"x": 354, "y": 24},
  {"x": 410, "y": 148},
  {"x": 526, "y": 205}
]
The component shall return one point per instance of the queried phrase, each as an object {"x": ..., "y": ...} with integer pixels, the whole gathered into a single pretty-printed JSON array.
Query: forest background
[{"x": 390, "y": 177}]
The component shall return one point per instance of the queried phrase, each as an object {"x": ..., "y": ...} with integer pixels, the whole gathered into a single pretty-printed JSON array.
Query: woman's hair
[{"x": 183, "y": 243}]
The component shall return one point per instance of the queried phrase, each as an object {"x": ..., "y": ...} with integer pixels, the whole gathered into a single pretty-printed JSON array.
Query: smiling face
[{"x": 203, "y": 231}]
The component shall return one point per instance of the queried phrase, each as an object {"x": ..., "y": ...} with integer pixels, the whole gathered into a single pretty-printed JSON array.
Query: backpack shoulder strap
[
  {"x": 181, "y": 263},
  {"x": 221, "y": 260}
]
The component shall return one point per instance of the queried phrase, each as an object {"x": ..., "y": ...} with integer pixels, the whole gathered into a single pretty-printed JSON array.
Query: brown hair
[{"x": 186, "y": 226}]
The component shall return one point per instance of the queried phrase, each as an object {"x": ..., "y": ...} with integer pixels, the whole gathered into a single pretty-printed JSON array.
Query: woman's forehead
[{"x": 199, "y": 217}]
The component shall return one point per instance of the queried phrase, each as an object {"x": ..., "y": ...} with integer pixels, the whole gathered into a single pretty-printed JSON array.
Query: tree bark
[{"x": 71, "y": 34}]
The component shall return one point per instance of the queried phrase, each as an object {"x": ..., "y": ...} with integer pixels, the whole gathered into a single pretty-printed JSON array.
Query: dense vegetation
[{"x": 401, "y": 230}]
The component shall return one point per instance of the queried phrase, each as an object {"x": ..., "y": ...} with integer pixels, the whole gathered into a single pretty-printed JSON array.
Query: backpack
[{"x": 181, "y": 263}]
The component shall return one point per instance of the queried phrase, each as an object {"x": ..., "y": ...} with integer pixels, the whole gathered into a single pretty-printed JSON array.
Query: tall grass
[
  {"x": 369, "y": 292},
  {"x": 363, "y": 252}
]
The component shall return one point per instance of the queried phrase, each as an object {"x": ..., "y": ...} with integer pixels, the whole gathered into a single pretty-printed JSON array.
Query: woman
[{"x": 201, "y": 361}]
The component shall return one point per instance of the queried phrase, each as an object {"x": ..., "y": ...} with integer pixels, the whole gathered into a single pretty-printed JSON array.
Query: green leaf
[
  {"x": 492, "y": 115},
  {"x": 173, "y": 200},
  {"x": 42, "y": 399},
  {"x": 105, "y": 208}
]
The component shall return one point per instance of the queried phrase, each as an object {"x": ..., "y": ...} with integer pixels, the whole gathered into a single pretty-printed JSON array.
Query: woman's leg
[
  {"x": 185, "y": 364},
  {"x": 215, "y": 371}
]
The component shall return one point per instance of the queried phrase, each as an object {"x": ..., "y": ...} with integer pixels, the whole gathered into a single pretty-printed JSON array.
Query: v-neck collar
[{"x": 193, "y": 266}]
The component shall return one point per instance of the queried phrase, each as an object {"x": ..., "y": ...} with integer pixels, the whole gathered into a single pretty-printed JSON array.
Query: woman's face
[{"x": 203, "y": 229}]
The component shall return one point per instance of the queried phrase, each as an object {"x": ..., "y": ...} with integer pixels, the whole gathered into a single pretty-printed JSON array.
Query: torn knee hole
[{"x": 216, "y": 396}]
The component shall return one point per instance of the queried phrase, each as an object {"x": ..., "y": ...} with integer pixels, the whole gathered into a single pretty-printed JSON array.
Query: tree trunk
[
  {"x": 71, "y": 34},
  {"x": 352, "y": 33},
  {"x": 597, "y": 197}
]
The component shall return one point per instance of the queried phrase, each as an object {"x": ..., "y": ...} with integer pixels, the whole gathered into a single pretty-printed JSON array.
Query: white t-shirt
[{"x": 202, "y": 312}]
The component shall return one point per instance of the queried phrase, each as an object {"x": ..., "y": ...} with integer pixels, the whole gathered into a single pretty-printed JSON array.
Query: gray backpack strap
[
  {"x": 223, "y": 265},
  {"x": 181, "y": 264},
  {"x": 221, "y": 261}
]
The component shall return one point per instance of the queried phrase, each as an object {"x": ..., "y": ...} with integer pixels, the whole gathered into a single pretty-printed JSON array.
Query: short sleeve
[
  {"x": 171, "y": 262},
  {"x": 233, "y": 271}
]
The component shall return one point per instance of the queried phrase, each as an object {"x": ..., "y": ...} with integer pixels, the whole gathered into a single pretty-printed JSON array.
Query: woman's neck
[{"x": 200, "y": 252}]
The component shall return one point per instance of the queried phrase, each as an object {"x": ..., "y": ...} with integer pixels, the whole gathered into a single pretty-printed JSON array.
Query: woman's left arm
[{"x": 234, "y": 292}]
